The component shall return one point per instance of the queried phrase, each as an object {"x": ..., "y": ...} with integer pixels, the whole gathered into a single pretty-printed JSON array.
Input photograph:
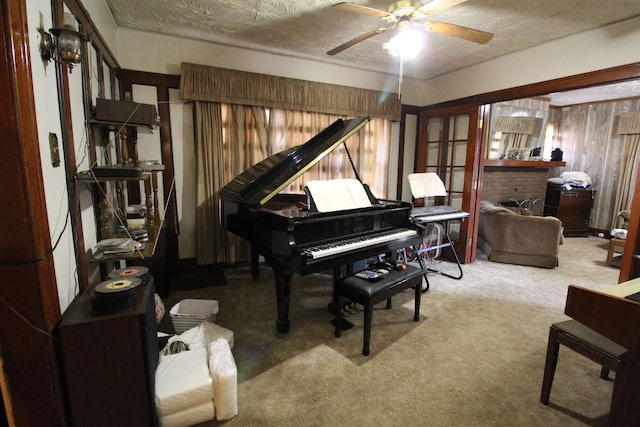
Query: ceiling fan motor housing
[{"x": 404, "y": 7}]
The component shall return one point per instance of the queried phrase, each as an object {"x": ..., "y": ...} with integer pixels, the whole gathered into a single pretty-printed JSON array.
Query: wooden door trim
[
  {"x": 468, "y": 229},
  {"x": 29, "y": 309}
]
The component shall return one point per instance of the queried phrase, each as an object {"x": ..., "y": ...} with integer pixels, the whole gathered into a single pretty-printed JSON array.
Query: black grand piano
[{"x": 293, "y": 238}]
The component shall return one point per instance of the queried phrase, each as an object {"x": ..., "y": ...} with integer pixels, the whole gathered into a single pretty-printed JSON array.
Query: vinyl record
[
  {"x": 129, "y": 272},
  {"x": 115, "y": 294},
  {"x": 115, "y": 286}
]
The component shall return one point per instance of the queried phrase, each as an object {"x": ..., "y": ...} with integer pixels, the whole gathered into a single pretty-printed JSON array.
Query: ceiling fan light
[{"x": 407, "y": 43}]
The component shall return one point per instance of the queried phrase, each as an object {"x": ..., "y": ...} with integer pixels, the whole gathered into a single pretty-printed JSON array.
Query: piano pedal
[{"x": 351, "y": 308}]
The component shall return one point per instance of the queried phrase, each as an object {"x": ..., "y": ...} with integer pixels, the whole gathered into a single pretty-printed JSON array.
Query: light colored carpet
[{"x": 475, "y": 358}]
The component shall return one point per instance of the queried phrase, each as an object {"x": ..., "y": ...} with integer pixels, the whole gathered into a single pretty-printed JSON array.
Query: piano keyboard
[
  {"x": 346, "y": 245},
  {"x": 634, "y": 296},
  {"x": 439, "y": 217}
]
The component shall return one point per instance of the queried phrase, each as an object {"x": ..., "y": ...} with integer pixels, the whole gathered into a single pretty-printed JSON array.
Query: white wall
[
  {"x": 605, "y": 47},
  {"x": 164, "y": 54},
  {"x": 48, "y": 116},
  {"x": 54, "y": 178}
]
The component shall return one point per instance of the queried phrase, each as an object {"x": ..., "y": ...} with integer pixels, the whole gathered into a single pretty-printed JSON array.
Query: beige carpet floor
[{"x": 475, "y": 358}]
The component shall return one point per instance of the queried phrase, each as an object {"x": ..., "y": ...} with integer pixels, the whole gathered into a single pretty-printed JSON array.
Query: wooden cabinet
[
  {"x": 109, "y": 362},
  {"x": 572, "y": 207}
]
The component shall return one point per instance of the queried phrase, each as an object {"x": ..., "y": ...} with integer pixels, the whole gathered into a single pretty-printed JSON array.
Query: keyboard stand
[{"x": 448, "y": 243}]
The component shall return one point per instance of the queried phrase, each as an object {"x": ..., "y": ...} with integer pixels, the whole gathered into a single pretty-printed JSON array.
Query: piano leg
[
  {"x": 283, "y": 295},
  {"x": 255, "y": 256}
]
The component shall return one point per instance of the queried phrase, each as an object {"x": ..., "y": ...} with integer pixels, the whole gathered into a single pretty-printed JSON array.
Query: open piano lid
[{"x": 261, "y": 182}]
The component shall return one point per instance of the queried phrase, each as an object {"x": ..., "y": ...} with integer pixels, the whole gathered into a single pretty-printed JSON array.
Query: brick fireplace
[{"x": 504, "y": 184}]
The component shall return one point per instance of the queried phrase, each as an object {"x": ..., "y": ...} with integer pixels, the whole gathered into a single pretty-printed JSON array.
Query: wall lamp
[{"x": 65, "y": 45}]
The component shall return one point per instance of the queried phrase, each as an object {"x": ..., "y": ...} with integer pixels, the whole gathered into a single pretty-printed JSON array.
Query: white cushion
[{"x": 182, "y": 381}]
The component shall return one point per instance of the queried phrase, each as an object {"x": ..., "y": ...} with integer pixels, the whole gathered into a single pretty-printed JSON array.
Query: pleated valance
[
  {"x": 524, "y": 125},
  {"x": 629, "y": 123},
  {"x": 205, "y": 83}
]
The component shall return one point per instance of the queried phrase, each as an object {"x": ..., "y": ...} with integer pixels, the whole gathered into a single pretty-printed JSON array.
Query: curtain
[
  {"x": 245, "y": 144},
  {"x": 210, "y": 164},
  {"x": 515, "y": 134},
  {"x": 371, "y": 147},
  {"x": 513, "y": 141},
  {"x": 629, "y": 164},
  {"x": 232, "y": 138},
  {"x": 242, "y": 118},
  {"x": 204, "y": 83},
  {"x": 229, "y": 139}
]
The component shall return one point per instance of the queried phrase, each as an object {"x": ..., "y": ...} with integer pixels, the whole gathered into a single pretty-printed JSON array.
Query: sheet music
[{"x": 338, "y": 194}]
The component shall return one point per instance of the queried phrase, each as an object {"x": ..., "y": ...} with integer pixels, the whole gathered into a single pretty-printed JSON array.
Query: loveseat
[{"x": 514, "y": 236}]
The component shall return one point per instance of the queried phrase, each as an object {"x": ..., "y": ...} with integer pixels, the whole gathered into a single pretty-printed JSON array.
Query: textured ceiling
[{"x": 309, "y": 28}]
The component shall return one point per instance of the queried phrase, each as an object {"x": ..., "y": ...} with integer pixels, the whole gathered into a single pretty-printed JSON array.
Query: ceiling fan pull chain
[{"x": 400, "y": 77}]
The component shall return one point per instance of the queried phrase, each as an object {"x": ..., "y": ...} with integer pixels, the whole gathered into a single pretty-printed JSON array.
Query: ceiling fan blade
[
  {"x": 356, "y": 40},
  {"x": 459, "y": 31},
  {"x": 361, "y": 9},
  {"x": 437, "y": 5}
]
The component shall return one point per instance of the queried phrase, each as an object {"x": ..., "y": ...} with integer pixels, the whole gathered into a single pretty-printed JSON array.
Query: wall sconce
[{"x": 66, "y": 47}]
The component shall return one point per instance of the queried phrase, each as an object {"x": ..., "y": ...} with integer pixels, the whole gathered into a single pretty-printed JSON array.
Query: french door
[{"x": 449, "y": 144}]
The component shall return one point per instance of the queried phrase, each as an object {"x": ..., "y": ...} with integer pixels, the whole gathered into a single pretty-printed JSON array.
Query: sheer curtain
[
  {"x": 629, "y": 126},
  {"x": 231, "y": 138},
  {"x": 629, "y": 164},
  {"x": 210, "y": 236},
  {"x": 370, "y": 147}
]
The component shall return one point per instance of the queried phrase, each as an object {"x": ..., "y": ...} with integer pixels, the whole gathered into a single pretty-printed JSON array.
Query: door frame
[{"x": 466, "y": 247}]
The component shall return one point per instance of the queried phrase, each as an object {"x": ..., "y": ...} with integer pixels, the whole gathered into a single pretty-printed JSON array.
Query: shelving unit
[
  {"x": 107, "y": 230},
  {"x": 113, "y": 193}
]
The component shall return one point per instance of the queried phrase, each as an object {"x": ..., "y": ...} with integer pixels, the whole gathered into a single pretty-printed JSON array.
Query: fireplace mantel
[{"x": 523, "y": 164}]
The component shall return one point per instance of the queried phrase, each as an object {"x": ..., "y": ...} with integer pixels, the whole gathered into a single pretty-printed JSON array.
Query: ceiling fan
[{"x": 407, "y": 14}]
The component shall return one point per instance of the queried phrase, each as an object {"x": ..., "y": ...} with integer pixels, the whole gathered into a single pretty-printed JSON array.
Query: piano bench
[
  {"x": 585, "y": 341},
  {"x": 369, "y": 293}
]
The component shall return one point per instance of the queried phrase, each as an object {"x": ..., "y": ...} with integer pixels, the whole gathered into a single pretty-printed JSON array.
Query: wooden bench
[{"x": 369, "y": 293}]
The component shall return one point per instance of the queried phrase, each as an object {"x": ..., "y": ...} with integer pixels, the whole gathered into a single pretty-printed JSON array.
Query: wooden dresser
[{"x": 572, "y": 207}]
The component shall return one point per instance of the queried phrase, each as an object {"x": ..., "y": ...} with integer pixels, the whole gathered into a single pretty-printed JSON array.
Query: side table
[{"x": 614, "y": 254}]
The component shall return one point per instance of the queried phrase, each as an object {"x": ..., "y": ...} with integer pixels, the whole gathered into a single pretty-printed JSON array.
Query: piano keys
[
  {"x": 292, "y": 238},
  {"x": 437, "y": 213}
]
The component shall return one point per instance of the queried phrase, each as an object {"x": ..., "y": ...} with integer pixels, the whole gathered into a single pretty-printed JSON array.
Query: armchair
[{"x": 513, "y": 236}]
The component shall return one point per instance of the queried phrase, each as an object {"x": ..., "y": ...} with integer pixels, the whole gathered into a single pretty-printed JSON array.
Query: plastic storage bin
[{"x": 189, "y": 313}]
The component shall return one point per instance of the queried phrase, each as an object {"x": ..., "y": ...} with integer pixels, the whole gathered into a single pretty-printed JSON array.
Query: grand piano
[{"x": 293, "y": 238}]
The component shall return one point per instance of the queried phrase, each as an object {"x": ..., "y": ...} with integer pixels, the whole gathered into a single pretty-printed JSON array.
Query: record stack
[
  {"x": 119, "y": 292},
  {"x": 114, "y": 295},
  {"x": 137, "y": 271}
]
